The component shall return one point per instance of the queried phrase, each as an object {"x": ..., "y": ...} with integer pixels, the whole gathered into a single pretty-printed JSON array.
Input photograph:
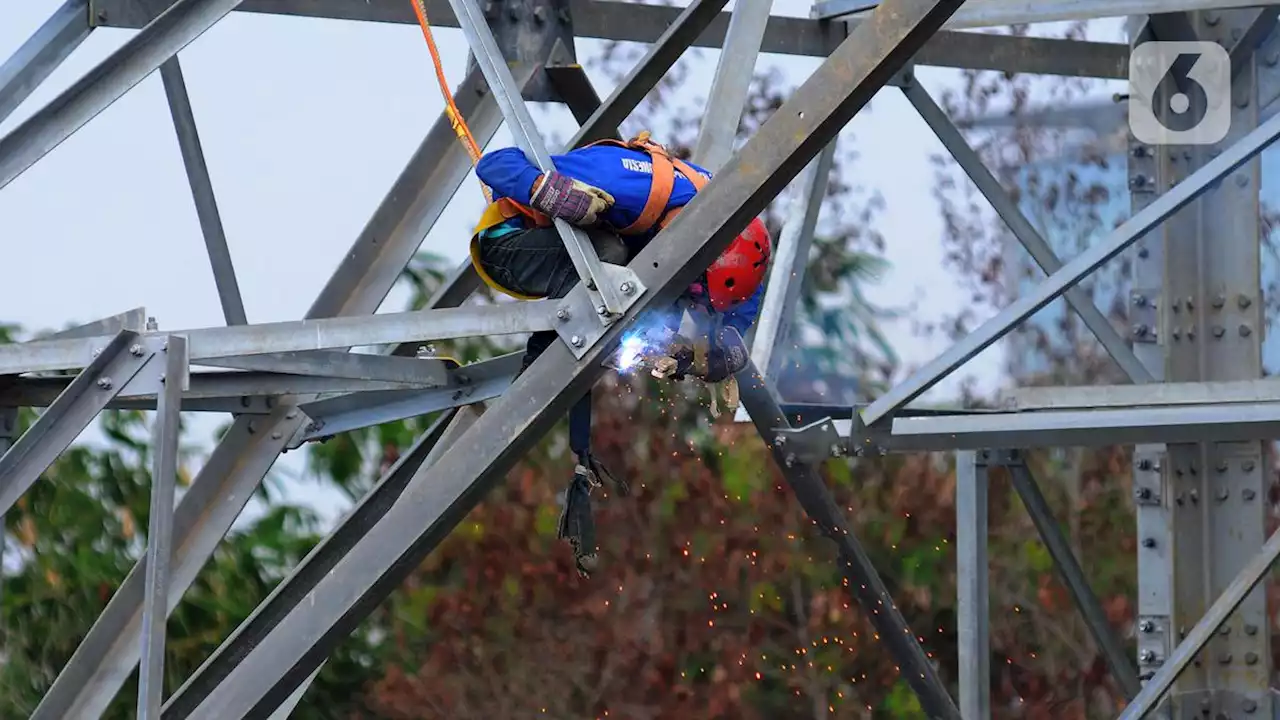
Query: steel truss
[{"x": 293, "y": 382}]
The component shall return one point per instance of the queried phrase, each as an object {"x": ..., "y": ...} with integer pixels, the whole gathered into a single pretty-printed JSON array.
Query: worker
[{"x": 621, "y": 194}]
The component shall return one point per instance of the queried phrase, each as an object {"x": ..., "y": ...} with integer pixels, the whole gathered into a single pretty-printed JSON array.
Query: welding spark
[{"x": 633, "y": 347}]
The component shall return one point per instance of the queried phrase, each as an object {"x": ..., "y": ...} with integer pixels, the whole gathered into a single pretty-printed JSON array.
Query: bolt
[
  {"x": 1251, "y": 658},
  {"x": 1143, "y": 253},
  {"x": 1218, "y": 301},
  {"x": 1205, "y": 704},
  {"x": 790, "y": 460},
  {"x": 513, "y": 12},
  {"x": 1245, "y": 330},
  {"x": 1147, "y": 656},
  {"x": 1191, "y": 334},
  {"x": 1211, "y": 18},
  {"x": 1142, "y": 493},
  {"x": 1273, "y": 59},
  {"x": 1250, "y": 629},
  {"x": 152, "y": 325},
  {"x": 1223, "y": 493},
  {"x": 1138, "y": 181},
  {"x": 562, "y": 314},
  {"x": 1249, "y": 705},
  {"x": 277, "y": 435},
  {"x": 576, "y": 341},
  {"x": 1146, "y": 626},
  {"x": 1224, "y": 631},
  {"x": 1139, "y": 151},
  {"x": 136, "y": 350},
  {"x": 540, "y": 15},
  {"x": 627, "y": 287},
  {"x": 1222, "y": 466},
  {"x": 1224, "y": 659},
  {"x": 602, "y": 311},
  {"x": 837, "y": 450},
  {"x": 1148, "y": 542},
  {"x": 104, "y": 383},
  {"x": 1140, "y": 330},
  {"x": 1140, "y": 300},
  {"x": 1242, "y": 180},
  {"x": 1247, "y": 466},
  {"x": 253, "y": 427},
  {"x": 1144, "y": 464},
  {"x": 291, "y": 415},
  {"x": 1177, "y": 333},
  {"x": 1243, "y": 301},
  {"x": 96, "y": 352},
  {"x": 1249, "y": 495},
  {"x": 1219, "y": 331},
  {"x": 780, "y": 441},
  {"x": 1195, "y": 497}
]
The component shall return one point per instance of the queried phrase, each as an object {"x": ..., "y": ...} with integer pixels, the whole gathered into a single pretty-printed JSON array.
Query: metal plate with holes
[
  {"x": 813, "y": 443},
  {"x": 580, "y": 324}
]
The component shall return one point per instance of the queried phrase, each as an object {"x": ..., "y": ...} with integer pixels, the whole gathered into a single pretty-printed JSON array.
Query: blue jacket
[{"x": 623, "y": 173}]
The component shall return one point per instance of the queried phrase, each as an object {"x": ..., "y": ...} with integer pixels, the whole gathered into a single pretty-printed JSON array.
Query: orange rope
[{"x": 451, "y": 110}]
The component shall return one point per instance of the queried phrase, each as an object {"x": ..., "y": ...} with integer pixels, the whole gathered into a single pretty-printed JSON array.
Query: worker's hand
[
  {"x": 677, "y": 362},
  {"x": 570, "y": 200},
  {"x": 726, "y": 357}
]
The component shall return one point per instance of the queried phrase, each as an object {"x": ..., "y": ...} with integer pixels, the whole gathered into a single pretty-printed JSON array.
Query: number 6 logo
[{"x": 1179, "y": 93}]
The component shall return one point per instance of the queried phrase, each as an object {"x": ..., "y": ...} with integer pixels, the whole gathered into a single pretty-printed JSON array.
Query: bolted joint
[{"x": 105, "y": 383}]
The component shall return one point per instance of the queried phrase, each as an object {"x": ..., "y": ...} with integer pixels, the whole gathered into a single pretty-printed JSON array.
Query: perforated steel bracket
[
  {"x": 814, "y": 443},
  {"x": 580, "y": 323}
]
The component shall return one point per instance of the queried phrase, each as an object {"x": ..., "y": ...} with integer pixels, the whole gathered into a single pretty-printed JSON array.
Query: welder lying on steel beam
[{"x": 629, "y": 189}]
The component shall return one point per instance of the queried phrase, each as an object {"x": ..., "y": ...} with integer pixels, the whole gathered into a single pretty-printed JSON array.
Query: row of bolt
[
  {"x": 540, "y": 13},
  {"x": 1147, "y": 464}
]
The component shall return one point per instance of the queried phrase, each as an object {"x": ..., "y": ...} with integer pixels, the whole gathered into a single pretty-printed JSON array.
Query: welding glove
[
  {"x": 571, "y": 200},
  {"x": 710, "y": 361},
  {"x": 577, "y": 525}
]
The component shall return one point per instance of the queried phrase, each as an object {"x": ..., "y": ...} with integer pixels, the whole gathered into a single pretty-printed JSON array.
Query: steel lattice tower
[{"x": 1196, "y": 316}]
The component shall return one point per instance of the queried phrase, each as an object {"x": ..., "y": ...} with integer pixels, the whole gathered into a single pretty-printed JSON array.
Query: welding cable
[{"x": 456, "y": 120}]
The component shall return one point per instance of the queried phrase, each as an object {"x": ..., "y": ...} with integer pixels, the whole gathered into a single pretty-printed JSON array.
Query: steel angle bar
[
  {"x": 135, "y": 320},
  {"x": 470, "y": 384},
  {"x": 1074, "y": 271},
  {"x": 412, "y": 206},
  {"x": 731, "y": 84},
  {"x": 1036, "y": 246},
  {"x": 1266, "y": 390},
  {"x": 677, "y": 35},
  {"x": 423, "y": 372},
  {"x": 108, "y": 654},
  {"x": 634, "y": 22},
  {"x": 862, "y": 579},
  {"x": 992, "y": 13},
  {"x": 541, "y": 395},
  {"x": 606, "y": 293},
  {"x": 105, "y": 659},
  {"x": 1195, "y": 640},
  {"x": 1253, "y": 37},
  {"x": 215, "y": 237},
  {"x": 973, "y": 580},
  {"x": 140, "y": 393},
  {"x": 318, "y": 563},
  {"x": 1088, "y": 428},
  {"x": 73, "y": 410},
  {"x": 164, "y": 477},
  {"x": 183, "y": 22},
  {"x": 42, "y": 53},
  {"x": 790, "y": 260},
  {"x": 1077, "y": 583},
  {"x": 316, "y": 334}
]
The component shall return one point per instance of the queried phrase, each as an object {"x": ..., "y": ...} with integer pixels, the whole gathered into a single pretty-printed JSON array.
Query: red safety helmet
[{"x": 736, "y": 275}]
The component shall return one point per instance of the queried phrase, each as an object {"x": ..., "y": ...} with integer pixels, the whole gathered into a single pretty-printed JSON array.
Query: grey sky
[{"x": 305, "y": 123}]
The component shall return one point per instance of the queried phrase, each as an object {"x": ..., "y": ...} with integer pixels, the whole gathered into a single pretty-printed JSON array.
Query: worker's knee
[{"x": 609, "y": 247}]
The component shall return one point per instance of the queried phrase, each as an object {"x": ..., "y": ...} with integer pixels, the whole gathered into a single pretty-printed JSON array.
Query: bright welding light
[{"x": 632, "y": 349}]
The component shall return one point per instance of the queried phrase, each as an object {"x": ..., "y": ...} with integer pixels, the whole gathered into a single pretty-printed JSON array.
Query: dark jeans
[{"x": 534, "y": 262}]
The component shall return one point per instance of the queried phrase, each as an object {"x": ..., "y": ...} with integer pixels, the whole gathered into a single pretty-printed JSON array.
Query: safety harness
[{"x": 654, "y": 214}]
